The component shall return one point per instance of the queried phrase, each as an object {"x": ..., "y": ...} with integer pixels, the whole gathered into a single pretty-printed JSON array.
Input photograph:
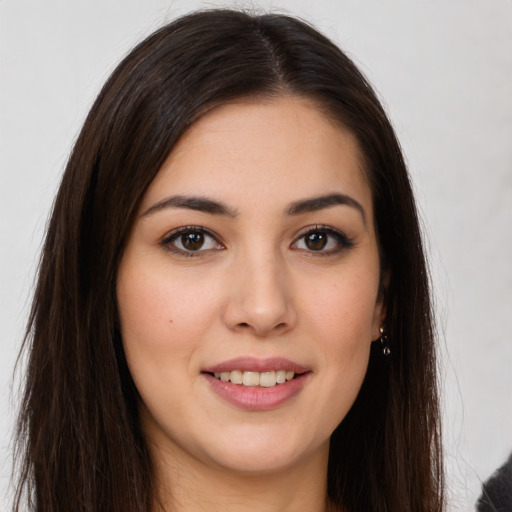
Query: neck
[{"x": 188, "y": 485}]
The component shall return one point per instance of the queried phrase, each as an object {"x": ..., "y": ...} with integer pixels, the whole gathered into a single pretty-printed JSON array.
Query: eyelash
[
  {"x": 174, "y": 235},
  {"x": 342, "y": 240}
]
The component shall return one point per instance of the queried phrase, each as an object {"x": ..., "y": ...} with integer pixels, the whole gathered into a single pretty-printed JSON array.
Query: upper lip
[{"x": 253, "y": 364}]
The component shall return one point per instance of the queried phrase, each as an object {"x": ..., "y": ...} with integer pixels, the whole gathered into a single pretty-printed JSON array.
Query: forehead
[{"x": 278, "y": 149}]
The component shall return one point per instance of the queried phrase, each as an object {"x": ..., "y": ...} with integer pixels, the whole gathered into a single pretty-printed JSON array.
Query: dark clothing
[{"x": 497, "y": 491}]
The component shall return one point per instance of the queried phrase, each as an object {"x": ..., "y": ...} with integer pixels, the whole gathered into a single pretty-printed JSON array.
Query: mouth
[
  {"x": 251, "y": 371},
  {"x": 267, "y": 379},
  {"x": 257, "y": 384}
]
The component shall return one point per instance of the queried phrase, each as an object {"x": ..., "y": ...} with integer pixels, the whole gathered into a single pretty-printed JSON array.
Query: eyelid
[
  {"x": 167, "y": 240},
  {"x": 344, "y": 241}
]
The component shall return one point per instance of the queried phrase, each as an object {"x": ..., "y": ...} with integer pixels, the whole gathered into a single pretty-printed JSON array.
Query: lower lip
[{"x": 257, "y": 398}]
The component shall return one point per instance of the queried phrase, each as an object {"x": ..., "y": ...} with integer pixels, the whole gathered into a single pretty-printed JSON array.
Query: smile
[
  {"x": 262, "y": 384},
  {"x": 248, "y": 378}
]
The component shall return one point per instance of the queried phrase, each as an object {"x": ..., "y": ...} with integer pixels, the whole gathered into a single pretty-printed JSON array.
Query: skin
[{"x": 255, "y": 288}]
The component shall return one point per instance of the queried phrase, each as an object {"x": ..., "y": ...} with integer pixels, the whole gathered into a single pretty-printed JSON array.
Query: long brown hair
[{"x": 80, "y": 446}]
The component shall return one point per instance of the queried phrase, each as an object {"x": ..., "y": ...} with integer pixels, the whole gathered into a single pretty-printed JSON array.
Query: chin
[{"x": 264, "y": 451}]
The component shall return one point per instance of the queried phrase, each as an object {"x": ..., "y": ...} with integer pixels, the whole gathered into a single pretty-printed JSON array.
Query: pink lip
[
  {"x": 257, "y": 398},
  {"x": 252, "y": 364}
]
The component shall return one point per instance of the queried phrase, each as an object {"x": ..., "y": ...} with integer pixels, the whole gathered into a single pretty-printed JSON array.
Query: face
[{"x": 249, "y": 289}]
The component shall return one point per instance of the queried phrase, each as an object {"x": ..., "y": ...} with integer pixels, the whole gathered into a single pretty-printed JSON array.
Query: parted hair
[{"x": 79, "y": 444}]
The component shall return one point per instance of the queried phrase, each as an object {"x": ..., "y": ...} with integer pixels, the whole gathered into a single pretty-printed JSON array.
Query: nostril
[{"x": 245, "y": 325}]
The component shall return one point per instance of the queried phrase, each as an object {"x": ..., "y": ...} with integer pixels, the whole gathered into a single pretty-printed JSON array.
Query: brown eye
[
  {"x": 316, "y": 241},
  {"x": 192, "y": 241},
  {"x": 323, "y": 240}
]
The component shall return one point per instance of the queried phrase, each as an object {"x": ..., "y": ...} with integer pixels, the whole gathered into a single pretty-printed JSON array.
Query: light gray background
[{"x": 444, "y": 69}]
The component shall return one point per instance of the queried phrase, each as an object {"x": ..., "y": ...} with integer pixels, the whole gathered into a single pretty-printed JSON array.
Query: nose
[{"x": 261, "y": 298}]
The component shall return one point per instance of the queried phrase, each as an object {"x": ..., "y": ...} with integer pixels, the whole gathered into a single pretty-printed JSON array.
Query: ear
[{"x": 379, "y": 316}]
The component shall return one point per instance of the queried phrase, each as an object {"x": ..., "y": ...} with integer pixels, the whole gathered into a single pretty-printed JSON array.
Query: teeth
[
  {"x": 264, "y": 379},
  {"x": 236, "y": 377},
  {"x": 268, "y": 379},
  {"x": 251, "y": 379}
]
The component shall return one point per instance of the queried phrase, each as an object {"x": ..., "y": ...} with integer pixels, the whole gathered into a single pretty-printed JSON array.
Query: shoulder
[{"x": 497, "y": 491}]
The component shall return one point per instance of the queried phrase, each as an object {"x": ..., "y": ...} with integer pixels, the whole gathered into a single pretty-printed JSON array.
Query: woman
[{"x": 233, "y": 307}]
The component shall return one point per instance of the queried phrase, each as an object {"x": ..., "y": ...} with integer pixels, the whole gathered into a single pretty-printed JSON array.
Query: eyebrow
[
  {"x": 319, "y": 203},
  {"x": 201, "y": 204},
  {"x": 205, "y": 205}
]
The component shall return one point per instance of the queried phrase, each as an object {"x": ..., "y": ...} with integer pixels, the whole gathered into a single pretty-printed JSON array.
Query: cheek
[
  {"x": 161, "y": 320},
  {"x": 344, "y": 311},
  {"x": 345, "y": 318},
  {"x": 341, "y": 318}
]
